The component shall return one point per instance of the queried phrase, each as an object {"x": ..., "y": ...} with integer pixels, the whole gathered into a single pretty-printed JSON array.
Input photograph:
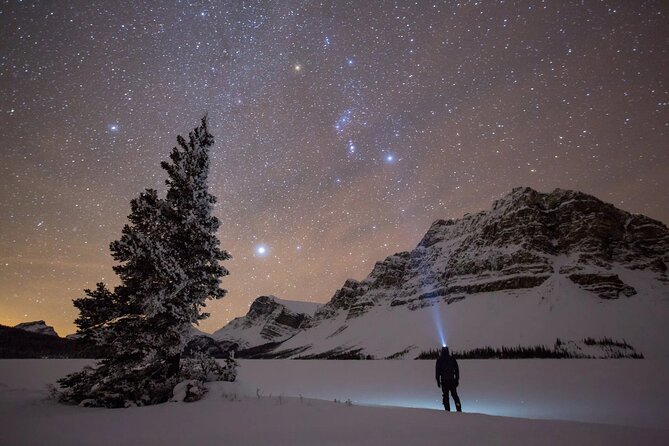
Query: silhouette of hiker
[{"x": 448, "y": 378}]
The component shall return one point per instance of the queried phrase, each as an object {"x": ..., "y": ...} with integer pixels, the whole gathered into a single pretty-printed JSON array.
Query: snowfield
[{"x": 612, "y": 402}]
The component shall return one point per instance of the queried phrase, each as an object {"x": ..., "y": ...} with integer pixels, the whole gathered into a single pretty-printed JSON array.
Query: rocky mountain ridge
[
  {"x": 37, "y": 327},
  {"x": 557, "y": 251},
  {"x": 269, "y": 319},
  {"x": 514, "y": 245}
]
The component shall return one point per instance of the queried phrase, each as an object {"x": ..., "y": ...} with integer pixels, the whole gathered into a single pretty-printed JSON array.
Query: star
[{"x": 318, "y": 123}]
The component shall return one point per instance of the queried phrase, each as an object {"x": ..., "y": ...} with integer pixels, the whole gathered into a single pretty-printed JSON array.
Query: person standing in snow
[{"x": 448, "y": 378}]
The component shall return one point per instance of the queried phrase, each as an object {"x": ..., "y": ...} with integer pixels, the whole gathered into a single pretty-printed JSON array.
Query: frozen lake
[
  {"x": 624, "y": 392},
  {"x": 630, "y": 396}
]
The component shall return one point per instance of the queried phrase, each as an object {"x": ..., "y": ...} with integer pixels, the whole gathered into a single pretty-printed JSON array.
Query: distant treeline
[
  {"x": 355, "y": 354},
  {"x": 607, "y": 342},
  {"x": 561, "y": 350},
  {"x": 520, "y": 352},
  {"x": 17, "y": 343}
]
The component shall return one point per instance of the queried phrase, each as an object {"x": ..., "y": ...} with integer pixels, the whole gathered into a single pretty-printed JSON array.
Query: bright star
[
  {"x": 351, "y": 146},
  {"x": 113, "y": 127},
  {"x": 298, "y": 67},
  {"x": 261, "y": 250},
  {"x": 390, "y": 158}
]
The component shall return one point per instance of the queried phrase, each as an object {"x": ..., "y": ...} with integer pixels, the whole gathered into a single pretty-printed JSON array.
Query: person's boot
[
  {"x": 447, "y": 408},
  {"x": 458, "y": 407}
]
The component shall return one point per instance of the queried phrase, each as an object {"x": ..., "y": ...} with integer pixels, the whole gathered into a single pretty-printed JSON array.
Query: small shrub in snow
[
  {"x": 90, "y": 402},
  {"x": 205, "y": 368},
  {"x": 232, "y": 397},
  {"x": 188, "y": 391},
  {"x": 51, "y": 392}
]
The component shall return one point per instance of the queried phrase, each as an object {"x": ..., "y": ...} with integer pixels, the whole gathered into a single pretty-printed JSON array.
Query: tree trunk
[{"x": 173, "y": 365}]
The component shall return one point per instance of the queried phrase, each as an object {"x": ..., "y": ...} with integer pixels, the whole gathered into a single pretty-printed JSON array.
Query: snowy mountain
[
  {"x": 37, "y": 327},
  {"x": 269, "y": 319},
  {"x": 561, "y": 269}
]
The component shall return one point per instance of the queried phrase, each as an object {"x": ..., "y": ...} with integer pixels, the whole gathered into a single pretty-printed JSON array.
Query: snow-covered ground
[{"x": 264, "y": 406}]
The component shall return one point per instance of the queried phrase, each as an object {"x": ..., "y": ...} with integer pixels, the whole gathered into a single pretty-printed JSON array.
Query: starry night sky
[{"x": 342, "y": 129}]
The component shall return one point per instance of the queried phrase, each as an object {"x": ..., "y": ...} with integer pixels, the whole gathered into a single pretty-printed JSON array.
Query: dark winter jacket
[{"x": 447, "y": 370}]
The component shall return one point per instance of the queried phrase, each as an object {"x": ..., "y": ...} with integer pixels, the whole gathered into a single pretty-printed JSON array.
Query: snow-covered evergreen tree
[
  {"x": 193, "y": 237},
  {"x": 151, "y": 277},
  {"x": 97, "y": 307},
  {"x": 168, "y": 266}
]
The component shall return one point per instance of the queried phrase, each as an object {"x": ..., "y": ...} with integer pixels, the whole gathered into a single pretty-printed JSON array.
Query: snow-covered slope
[
  {"x": 269, "y": 319},
  {"x": 37, "y": 327},
  {"x": 534, "y": 268},
  {"x": 291, "y": 403}
]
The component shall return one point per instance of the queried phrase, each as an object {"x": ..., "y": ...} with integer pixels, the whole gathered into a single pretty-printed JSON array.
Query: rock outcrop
[
  {"x": 269, "y": 319},
  {"x": 37, "y": 327}
]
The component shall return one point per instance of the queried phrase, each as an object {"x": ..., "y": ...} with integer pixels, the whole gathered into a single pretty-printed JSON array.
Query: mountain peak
[
  {"x": 535, "y": 267},
  {"x": 264, "y": 305},
  {"x": 37, "y": 327},
  {"x": 269, "y": 319},
  {"x": 526, "y": 196}
]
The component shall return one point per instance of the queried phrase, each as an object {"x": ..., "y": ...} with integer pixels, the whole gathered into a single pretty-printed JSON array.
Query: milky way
[{"x": 342, "y": 129}]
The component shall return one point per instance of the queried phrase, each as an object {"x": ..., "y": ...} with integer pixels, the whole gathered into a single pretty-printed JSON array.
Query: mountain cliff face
[
  {"x": 269, "y": 319},
  {"x": 534, "y": 268},
  {"x": 523, "y": 240}
]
